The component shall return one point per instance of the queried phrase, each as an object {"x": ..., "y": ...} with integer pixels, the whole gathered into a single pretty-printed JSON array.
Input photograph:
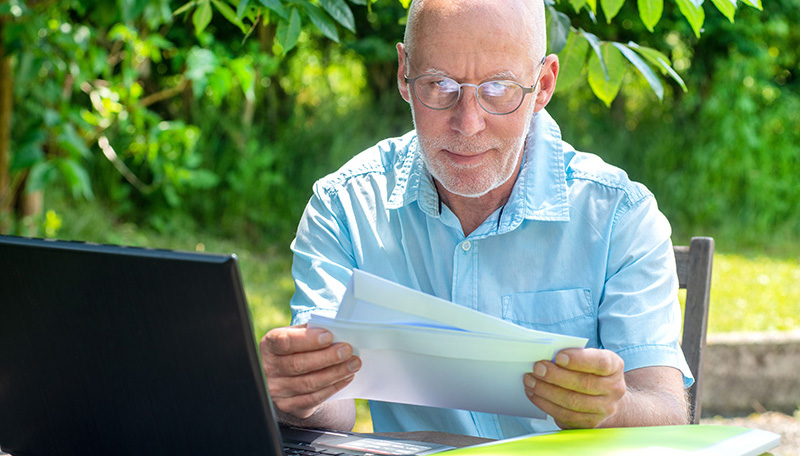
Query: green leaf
[
  {"x": 200, "y": 63},
  {"x": 321, "y": 21},
  {"x": 241, "y": 8},
  {"x": 229, "y": 14},
  {"x": 558, "y": 25},
  {"x": 606, "y": 87},
  {"x": 648, "y": 73},
  {"x": 29, "y": 150},
  {"x": 659, "y": 60},
  {"x": 611, "y": 8},
  {"x": 340, "y": 12},
  {"x": 577, "y": 4},
  {"x": 288, "y": 32},
  {"x": 77, "y": 178},
  {"x": 277, "y": 7},
  {"x": 650, "y": 12},
  {"x": 42, "y": 175},
  {"x": 202, "y": 16},
  {"x": 726, "y": 7},
  {"x": 755, "y": 4},
  {"x": 131, "y": 9},
  {"x": 571, "y": 61},
  {"x": 594, "y": 42},
  {"x": 71, "y": 141},
  {"x": 694, "y": 14},
  {"x": 593, "y": 7},
  {"x": 184, "y": 8}
]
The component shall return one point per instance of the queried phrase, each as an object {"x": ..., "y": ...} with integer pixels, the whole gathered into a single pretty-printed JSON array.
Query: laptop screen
[{"x": 118, "y": 350}]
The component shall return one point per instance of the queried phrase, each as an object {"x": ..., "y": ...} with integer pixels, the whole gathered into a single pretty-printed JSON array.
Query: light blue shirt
[{"x": 578, "y": 249}]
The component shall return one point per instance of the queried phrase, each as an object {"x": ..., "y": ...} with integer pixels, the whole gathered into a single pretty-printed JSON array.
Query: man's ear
[
  {"x": 401, "y": 72},
  {"x": 547, "y": 82}
]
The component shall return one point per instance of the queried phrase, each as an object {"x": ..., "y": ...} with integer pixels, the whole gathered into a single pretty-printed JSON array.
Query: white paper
[{"x": 422, "y": 350}]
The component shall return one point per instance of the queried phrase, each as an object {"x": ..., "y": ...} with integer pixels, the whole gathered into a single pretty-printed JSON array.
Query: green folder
[{"x": 695, "y": 440}]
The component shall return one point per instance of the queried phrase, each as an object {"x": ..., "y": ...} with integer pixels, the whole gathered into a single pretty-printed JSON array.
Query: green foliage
[{"x": 722, "y": 160}]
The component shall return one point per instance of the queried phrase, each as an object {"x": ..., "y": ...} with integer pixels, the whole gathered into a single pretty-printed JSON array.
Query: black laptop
[{"x": 110, "y": 350}]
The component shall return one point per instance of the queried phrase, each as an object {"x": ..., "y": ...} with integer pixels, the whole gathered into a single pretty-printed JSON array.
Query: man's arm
[
  {"x": 304, "y": 368},
  {"x": 587, "y": 388}
]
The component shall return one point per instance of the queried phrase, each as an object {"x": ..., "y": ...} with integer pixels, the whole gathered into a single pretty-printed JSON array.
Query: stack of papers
[{"x": 422, "y": 350}]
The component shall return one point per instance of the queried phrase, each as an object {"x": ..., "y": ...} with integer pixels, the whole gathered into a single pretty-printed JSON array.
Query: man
[{"x": 484, "y": 205}]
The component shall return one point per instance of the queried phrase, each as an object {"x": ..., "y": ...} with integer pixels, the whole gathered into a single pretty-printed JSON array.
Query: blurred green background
[{"x": 203, "y": 125}]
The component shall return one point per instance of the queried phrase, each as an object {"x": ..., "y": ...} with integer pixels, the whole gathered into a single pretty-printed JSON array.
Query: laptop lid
[{"x": 123, "y": 351}]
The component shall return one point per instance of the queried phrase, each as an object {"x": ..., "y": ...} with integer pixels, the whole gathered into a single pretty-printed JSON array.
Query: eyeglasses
[{"x": 495, "y": 97}]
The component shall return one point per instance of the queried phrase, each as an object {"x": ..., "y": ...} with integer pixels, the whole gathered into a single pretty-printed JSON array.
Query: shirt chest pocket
[{"x": 568, "y": 312}]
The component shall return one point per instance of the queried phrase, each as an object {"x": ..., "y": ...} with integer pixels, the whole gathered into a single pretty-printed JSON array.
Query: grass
[{"x": 750, "y": 291}]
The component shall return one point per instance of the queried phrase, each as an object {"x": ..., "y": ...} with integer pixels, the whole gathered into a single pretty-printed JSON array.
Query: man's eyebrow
[
  {"x": 505, "y": 74},
  {"x": 437, "y": 72}
]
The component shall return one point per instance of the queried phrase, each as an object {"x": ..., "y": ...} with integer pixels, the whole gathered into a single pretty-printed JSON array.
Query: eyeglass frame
[{"x": 411, "y": 82}]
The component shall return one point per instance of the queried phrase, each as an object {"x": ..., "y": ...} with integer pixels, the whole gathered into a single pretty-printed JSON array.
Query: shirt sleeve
[
  {"x": 639, "y": 314},
  {"x": 323, "y": 258}
]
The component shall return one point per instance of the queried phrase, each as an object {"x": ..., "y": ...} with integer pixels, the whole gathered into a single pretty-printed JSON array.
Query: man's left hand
[{"x": 581, "y": 389}]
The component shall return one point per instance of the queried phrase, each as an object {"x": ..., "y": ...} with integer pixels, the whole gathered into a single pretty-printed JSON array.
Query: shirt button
[{"x": 466, "y": 245}]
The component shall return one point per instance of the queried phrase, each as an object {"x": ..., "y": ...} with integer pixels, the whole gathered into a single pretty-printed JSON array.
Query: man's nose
[{"x": 468, "y": 116}]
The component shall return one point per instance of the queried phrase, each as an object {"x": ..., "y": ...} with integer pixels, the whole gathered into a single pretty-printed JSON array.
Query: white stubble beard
[{"x": 495, "y": 173}]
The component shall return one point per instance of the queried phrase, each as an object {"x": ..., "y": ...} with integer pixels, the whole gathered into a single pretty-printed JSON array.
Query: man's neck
[{"x": 471, "y": 212}]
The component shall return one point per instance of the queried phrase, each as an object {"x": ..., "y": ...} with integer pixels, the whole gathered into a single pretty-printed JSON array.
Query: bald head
[{"x": 523, "y": 18}]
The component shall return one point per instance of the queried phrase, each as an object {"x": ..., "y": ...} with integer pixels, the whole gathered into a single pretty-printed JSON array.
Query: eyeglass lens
[{"x": 438, "y": 92}]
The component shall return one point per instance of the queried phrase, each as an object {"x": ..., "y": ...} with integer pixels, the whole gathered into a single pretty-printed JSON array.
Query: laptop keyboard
[{"x": 290, "y": 449}]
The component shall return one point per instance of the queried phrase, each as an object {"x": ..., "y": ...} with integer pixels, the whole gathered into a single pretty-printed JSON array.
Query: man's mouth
[{"x": 465, "y": 158}]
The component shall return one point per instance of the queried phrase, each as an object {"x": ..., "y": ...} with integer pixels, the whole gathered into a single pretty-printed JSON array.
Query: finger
[
  {"x": 294, "y": 339},
  {"x": 310, "y": 383},
  {"x": 571, "y": 400},
  {"x": 305, "y": 405},
  {"x": 590, "y": 360},
  {"x": 566, "y": 418},
  {"x": 581, "y": 382},
  {"x": 308, "y": 361}
]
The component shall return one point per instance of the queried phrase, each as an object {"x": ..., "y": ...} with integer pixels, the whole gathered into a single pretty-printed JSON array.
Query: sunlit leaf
[
  {"x": 726, "y": 7},
  {"x": 594, "y": 42},
  {"x": 606, "y": 87},
  {"x": 558, "y": 25},
  {"x": 229, "y": 14},
  {"x": 611, "y": 8},
  {"x": 199, "y": 64},
  {"x": 202, "y": 16},
  {"x": 289, "y": 31},
  {"x": 593, "y": 7},
  {"x": 340, "y": 12},
  {"x": 755, "y": 4},
  {"x": 648, "y": 73},
  {"x": 277, "y": 7},
  {"x": 322, "y": 22},
  {"x": 659, "y": 60},
  {"x": 694, "y": 14},
  {"x": 577, "y": 4},
  {"x": 571, "y": 61},
  {"x": 650, "y": 12},
  {"x": 241, "y": 8}
]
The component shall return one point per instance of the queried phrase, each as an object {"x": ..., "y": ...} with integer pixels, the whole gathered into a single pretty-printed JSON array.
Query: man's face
[{"x": 468, "y": 150}]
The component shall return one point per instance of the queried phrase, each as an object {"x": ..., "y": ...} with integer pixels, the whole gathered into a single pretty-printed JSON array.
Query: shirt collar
[{"x": 540, "y": 192}]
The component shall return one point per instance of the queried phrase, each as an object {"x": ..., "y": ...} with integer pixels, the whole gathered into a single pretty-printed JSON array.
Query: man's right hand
[{"x": 304, "y": 368}]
